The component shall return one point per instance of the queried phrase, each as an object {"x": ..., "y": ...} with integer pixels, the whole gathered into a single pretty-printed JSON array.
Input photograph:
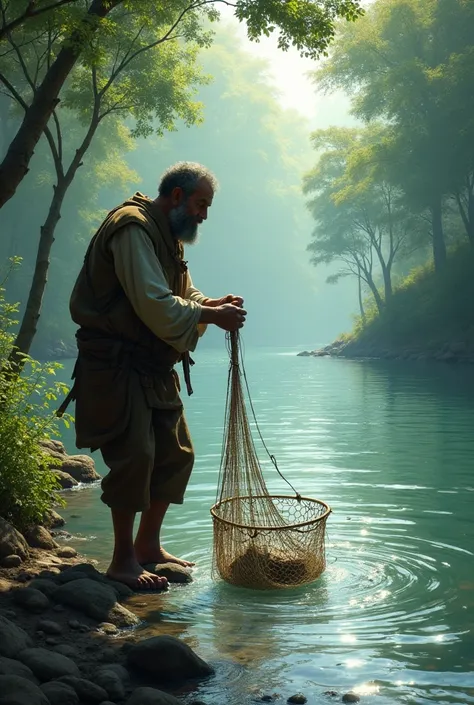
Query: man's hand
[
  {"x": 228, "y": 299},
  {"x": 227, "y": 316}
]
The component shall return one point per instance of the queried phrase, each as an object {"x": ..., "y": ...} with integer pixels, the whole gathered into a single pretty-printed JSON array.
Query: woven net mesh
[{"x": 260, "y": 541}]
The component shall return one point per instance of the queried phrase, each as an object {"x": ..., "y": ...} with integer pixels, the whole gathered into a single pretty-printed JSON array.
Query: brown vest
[{"x": 98, "y": 303}]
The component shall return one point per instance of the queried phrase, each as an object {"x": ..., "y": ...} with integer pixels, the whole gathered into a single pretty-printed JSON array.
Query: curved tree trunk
[
  {"x": 14, "y": 166},
  {"x": 439, "y": 244}
]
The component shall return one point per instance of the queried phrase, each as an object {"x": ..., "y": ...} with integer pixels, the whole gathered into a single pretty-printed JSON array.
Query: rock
[
  {"x": 174, "y": 572},
  {"x": 81, "y": 468},
  {"x": 13, "y": 639},
  {"x": 52, "y": 446},
  {"x": 74, "y": 624},
  {"x": 108, "y": 628},
  {"x": 95, "y": 600},
  {"x": 9, "y": 614},
  {"x": 350, "y": 698},
  {"x": 108, "y": 655},
  {"x": 60, "y": 693},
  {"x": 87, "y": 691},
  {"x": 49, "y": 627},
  {"x": 10, "y": 562},
  {"x": 167, "y": 658},
  {"x": 47, "y": 587},
  {"x": 298, "y": 699},
  {"x": 15, "y": 690},
  {"x": 151, "y": 696},
  {"x": 304, "y": 353},
  {"x": 120, "y": 671},
  {"x": 65, "y": 650},
  {"x": 11, "y": 541},
  {"x": 31, "y": 599},
  {"x": 120, "y": 589},
  {"x": 53, "y": 520},
  {"x": 11, "y": 667},
  {"x": 65, "y": 480},
  {"x": 66, "y": 552},
  {"x": 48, "y": 665},
  {"x": 39, "y": 537},
  {"x": 51, "y": 641},
  {"x": 111, "y": 683},
  {"x": 68, "y": 576}
]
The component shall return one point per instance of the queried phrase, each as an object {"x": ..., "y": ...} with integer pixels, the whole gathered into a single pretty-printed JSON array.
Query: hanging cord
[{"x": 236, "y": 341}]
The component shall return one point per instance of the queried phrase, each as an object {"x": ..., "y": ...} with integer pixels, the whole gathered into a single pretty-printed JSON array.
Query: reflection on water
[{"x": 390, "y": 447}]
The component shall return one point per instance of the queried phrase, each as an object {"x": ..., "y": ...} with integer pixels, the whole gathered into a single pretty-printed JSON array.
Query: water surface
[{"x": 390, "y": 446}]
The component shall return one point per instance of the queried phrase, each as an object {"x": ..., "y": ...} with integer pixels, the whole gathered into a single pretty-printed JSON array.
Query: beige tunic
[{"x": 171, "y": 318}]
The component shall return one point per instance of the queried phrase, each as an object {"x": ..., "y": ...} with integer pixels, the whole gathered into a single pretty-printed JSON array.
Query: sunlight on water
[{"x": 389, "y": 446}]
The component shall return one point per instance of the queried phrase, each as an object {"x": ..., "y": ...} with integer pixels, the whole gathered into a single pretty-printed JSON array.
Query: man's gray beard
[{"x": 182, "y": 225}]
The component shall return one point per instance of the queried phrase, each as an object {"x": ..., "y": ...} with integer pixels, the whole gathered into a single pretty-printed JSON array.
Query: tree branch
[{"x": 28, "y": 14}]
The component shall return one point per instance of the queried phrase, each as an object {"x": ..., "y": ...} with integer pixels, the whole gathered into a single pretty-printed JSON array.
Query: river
[{"x": 390, "y": 446}]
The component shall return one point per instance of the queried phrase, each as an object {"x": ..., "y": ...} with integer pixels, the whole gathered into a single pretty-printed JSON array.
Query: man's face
[{"x": 187, "y": 214}]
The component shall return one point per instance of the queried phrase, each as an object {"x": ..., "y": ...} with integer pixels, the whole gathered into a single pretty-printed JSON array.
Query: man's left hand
[{"x": 228, "y": 299}]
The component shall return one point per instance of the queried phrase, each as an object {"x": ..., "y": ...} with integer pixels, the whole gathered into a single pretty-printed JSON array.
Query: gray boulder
[
  {"x": 60, "y": 694},
  {"x": 167, "y": 659},
  {"x": 30, "y": 599},
  {"x": 39, "y": 537},
  {"x": 86, "y": 691},
  {"x": 48, "y": 665},
  {"x": 13, "y": 639},
  {"x": 96, "y": 600},
  {"x": 151, "y": 696},
  {"x": 15, "y": 690},
  {"x": 65, "y": 480},
  {"x": 81, "y": 468},
  {"x": 111, "y": 683},
  {"x": 11, "y": 541},
  {"x": 11, "y": 667}
]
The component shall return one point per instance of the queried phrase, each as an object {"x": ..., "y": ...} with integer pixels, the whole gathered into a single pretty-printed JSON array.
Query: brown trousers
[{"x": 152, "y": 459}]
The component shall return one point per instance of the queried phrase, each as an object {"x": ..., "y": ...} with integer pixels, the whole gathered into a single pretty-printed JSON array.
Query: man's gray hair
[{"x": 185, "y": 175}]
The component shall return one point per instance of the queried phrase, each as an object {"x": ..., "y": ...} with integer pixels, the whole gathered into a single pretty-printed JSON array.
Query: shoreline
[{"x": 454, "y": 352}]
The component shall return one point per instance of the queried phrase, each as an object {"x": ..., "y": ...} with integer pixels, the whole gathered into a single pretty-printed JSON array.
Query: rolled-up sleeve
[{"x": 171, "y": 318}]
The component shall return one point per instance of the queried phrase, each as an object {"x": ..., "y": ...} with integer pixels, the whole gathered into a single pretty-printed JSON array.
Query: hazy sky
[{"x": 288, "y": 72}]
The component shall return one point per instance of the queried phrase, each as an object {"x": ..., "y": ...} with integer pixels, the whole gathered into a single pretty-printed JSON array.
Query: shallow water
[{"x": 390, "y": 446}]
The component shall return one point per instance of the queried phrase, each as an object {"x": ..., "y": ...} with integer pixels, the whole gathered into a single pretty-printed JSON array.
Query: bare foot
[
  {"x": 135, "y": 577},
  {"x": 157, "y": 554}
]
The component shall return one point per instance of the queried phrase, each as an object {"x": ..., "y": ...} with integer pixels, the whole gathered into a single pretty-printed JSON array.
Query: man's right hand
[{"x": 227, "y": 316}]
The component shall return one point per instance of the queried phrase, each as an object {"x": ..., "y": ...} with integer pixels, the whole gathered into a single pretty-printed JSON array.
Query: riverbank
[{"x": 430, "y": 316}]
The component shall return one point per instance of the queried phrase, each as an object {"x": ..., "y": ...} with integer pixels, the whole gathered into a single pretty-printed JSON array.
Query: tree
[
  {"x": 29, "y": 10},
  {"x": 360, "y": 217},
  {"x": 307, "y": 25},
  {"x": 139, "y": 73},
  {"x": 399, "y": 62}
]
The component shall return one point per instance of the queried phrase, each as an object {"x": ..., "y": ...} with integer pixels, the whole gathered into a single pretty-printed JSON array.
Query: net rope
[{"x": 260, "y": 540}]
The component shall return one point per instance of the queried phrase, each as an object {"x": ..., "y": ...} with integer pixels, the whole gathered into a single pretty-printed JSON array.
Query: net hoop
[{"x": 249, "y": 527}]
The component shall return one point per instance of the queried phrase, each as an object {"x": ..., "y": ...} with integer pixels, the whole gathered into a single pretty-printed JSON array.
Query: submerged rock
[{"x": 167, "y": 659}]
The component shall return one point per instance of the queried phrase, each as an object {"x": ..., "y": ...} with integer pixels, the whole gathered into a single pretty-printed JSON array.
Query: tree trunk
[
  {"x": 34, "y": 302},
  {"x": 361, "y": 303},
  {"x": 387, "y": 282},
  {"x": 14, "y": 166},
  {"x": 376, "y": 293},
  {"x": 439, "y": 245}
]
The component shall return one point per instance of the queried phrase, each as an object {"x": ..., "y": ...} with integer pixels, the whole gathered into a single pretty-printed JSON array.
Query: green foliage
[
  {"x": 28, "y": 488},
  {"x": 428, "y": 310}
]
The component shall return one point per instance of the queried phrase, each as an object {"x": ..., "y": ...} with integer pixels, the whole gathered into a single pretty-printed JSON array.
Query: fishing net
[{"x": 260, "y": 540}]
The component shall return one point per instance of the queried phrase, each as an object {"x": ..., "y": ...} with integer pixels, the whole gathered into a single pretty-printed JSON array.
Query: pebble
[
  {"x": 350, "y": 698},
  {"x": 66, "y": 552},
  {"x": 108, "y": 628},
  {"x": 50, "y": 627},
  {"x": 298, "y": 699},
  {"x": 59, "y": 608},
  {"x": 74, "y": 624}
]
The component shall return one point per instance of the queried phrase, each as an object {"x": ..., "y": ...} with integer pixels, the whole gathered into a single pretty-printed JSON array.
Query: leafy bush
[{"x": 28, "y": 487}]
